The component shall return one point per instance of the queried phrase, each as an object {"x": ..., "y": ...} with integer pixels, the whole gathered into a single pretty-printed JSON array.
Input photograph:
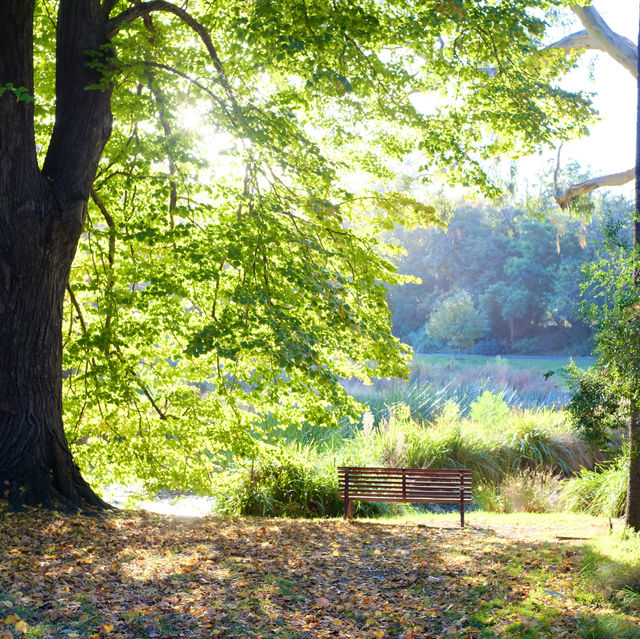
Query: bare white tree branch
[
  {"x": 597, "y": 35},
  {"x": 578, "y": 40},
  {"x": 621, "y": 49},
  {"x": 563, "y": 198}
]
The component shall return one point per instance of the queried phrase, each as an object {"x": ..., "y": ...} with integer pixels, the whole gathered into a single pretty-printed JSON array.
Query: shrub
[
  {"x": 602, "y": 491},
  {"x": 599, "y": 492},
  {"x": 493, "y": 443},
  {"x": 288, "y": 480},
  {"x": 490, "y": 409},
  {"x": 284, "y": 481},
  {"x": 525, "y": 491},
  {"x": 487, "y": 346},
  {"x": 531, "y": 492},
  {"x": 527, "y": 445}
]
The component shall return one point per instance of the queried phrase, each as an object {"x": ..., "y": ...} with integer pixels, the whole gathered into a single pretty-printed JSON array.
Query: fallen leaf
[{"x": 21, "y": 627}]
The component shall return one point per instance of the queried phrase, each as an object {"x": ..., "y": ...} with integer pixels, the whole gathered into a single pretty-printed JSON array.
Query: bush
[
  {"x": 490, "y": 409},
  {"x": 530, "y": 492},
  {"x": 487, "y": 346},
  {"x": 424, "y": 343},
  {"x": 528, "y": 445},
  {"x": 493, "y": 442},
  {"x": 525, "y": 491},
  {"x": 598, "y": 492},
  {"x": 288, "y": 480},
  {"x": 285, "y": 481}
]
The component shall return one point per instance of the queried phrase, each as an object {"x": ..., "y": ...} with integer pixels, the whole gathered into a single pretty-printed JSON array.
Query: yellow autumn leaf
[
  {"x": 107, "y": 627},
  {"x": 370, "y": 621},
  {"x": 11, "y": 619},
  {"x": 335, "y": 553},
  {"x": 21, "y": 627}
]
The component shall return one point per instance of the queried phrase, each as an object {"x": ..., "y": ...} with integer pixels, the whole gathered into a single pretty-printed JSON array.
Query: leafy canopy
[
  {"x": 232, "y": 270},
  {"x": 457, "y": 321}
]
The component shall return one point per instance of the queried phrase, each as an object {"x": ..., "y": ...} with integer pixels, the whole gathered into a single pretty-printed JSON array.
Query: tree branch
[
  {"x": 83, "y": 118},
  {"x": 145, "y": 8},
  {"x": 76, "y": 305},
  {"x": 196, "y": 83},
  {"x": 621, "y": 49},
  {"x": 578, "y": 40},
  {"x": 107, "y": 7},
  {"x": 614, "y": 179}
]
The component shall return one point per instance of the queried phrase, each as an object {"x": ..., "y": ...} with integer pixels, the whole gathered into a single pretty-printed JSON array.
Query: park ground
[{"x": 136, "y": 574}]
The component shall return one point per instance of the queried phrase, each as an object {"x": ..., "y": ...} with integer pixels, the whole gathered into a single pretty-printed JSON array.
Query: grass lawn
[
  {"x": 540, "y": 364},
  {"x": 141, "y": 575}
]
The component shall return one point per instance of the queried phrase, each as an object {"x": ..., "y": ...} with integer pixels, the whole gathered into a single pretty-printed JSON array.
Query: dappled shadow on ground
[{"x": 141, "y": 575}]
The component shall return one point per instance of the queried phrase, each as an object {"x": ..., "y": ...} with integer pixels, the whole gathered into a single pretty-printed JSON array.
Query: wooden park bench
[{"x": 412, "y": 485}]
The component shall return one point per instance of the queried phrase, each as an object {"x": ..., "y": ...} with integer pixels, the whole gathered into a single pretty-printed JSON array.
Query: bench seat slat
[{"x": 436, "y": 500}]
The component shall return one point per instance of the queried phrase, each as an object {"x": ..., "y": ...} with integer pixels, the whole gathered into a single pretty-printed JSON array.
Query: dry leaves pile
[{"x": 142, "y": 575}]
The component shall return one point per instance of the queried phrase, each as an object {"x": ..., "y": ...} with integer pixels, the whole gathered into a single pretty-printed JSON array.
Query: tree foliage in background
[
  {"x": 455, "y": 320},
  {"x": 521, "y": 264}
]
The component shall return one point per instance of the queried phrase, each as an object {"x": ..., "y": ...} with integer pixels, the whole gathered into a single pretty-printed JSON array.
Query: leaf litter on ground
[{"x": 125, "y": 575}]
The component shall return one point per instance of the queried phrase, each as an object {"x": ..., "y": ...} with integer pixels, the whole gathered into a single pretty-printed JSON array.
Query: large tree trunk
[
  {"x": 632, "y": 514},
  {"x": 41, "y": 218},
  {"x": 36, "y": 465}
]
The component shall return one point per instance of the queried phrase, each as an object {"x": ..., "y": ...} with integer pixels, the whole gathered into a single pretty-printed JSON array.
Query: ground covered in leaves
[{"x": 144, "y": 575}]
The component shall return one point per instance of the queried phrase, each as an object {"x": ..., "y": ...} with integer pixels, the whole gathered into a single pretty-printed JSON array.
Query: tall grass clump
[
  {"x": 493, "y": 441},
  {"x": 530, "y": 491},
  {"x": 401, "y": 441},
  {"x": 286, "y": 480},
  {"x": 602, "y": 491}
]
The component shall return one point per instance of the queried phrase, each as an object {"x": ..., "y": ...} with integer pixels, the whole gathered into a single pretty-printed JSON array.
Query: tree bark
[
  {"x": 41, "y": 218},
  {"x": 632, "y": 513}
]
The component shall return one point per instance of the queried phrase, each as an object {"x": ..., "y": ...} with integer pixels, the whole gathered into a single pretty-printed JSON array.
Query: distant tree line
[{"x": 501, "y": 279}]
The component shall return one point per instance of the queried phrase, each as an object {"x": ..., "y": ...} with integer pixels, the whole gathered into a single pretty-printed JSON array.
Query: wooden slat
[
  {"x": 355, "y": 470},
  {"x": 409, "y": 485},
  {"x": 449, "y": 499},
  {"x": 411, "y": 500},
  {"x": 412, "y": 494}
]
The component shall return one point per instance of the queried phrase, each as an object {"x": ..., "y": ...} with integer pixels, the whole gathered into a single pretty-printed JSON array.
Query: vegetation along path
[{"x": 143, "y": 575}]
